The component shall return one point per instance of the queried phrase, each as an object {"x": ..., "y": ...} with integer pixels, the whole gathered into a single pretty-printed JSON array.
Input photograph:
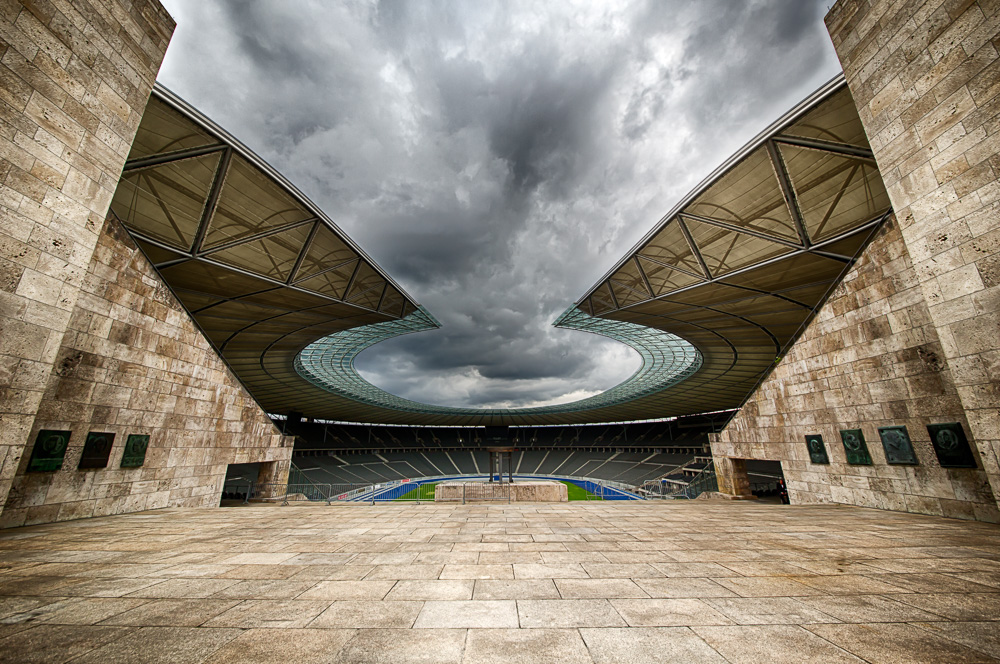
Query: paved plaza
[{"x": 696, "y": 581}]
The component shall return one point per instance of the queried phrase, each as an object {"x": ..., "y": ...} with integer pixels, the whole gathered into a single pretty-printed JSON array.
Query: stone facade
[
  {"x": 74, "y": 80},
  {"x": 133, "y": 362},
  {"x": 925, "y": 75},
  {"x": 92, "y": 339},
  {"x": 871, "y": 358}
]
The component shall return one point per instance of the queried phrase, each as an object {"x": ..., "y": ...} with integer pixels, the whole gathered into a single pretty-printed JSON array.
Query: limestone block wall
[
  {"x": 133, "y": 362},
  {"x": 74, "y": 80},
  {"x": 925, "y": 75},
  {"x": 871, "y": 358}
]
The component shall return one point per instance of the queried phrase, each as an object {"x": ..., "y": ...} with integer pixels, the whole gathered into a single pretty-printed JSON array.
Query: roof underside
[
  {"x": 735, "y": 271},
  {"x": 740, "y": 266}
]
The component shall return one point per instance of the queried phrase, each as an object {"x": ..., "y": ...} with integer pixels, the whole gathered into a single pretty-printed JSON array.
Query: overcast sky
[{"x": 496, "y": 159}]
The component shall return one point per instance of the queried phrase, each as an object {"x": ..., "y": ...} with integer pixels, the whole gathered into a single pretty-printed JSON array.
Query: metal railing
[{"x": 704, "y": 480}]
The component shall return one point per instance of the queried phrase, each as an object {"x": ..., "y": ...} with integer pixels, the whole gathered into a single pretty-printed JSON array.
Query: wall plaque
[
  {"x": 96, "y": 450},
  {"x": 951, "y": 446},
  {"x": 855, "y": 447},
  {"x": 817, "y": 451},
  {"x": 135, "y": 450},
  {"x": 49, "y": 450},
  {"x": 896, "y": 443}
]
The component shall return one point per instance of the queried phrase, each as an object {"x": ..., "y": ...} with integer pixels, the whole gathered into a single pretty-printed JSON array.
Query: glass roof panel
[
  {"x": 250, "y": 202},
  {"x": 748, "y": 196},
  {"x": 834, "y": 120},
  {"x": 669, "y": 246},
  {"x": 325, "y": 251},
  {"x": 273, "y": 256},
  {"x": 835, "y": 193},
  {"x": 332, "y": 282},
  {"x": 166, "y": 202},
  {"x": 162, "y": 129},
  {"x": 725, "y": 250}
]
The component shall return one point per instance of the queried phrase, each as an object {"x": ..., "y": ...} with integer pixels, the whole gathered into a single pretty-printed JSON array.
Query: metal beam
[
  {"x": 693, "y": 247},
  {"x": 740, "y": 229},
  {"x": 256, "y": 236},
  {"x": 787, "y": 191},
  {"x": 845, "y": 149},
  {"x": 213, "y": 199},
  {"x": 167, "y": 157}
]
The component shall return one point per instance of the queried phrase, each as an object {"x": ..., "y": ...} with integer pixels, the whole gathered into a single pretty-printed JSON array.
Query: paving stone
[
  {"x": 172, "y": 613},
  {"x": 369, "y": 615},
  {"x": 524, "y": 646},
  {"x": 449, "y": 589},
  {"x": 470, "y": 613},
  {"x": 883, "y": 642},
  {"x": 772, "y": 644},
  {"x": 668, "y": 612},
  {"x": 515, "y": 589},
  {"x": 269, "y": 613},
  {"x": 391, "y": 646},
  {"x": 648, "y": 644},
  {"x": 270, "y": 646},
  {"x": 598, "y": 588},
  {"x": 337, "y": 590},
  {"x": 481, "y": 571},
  {"x": 768, "y": 611},
  {"x": 683, "y": 587},
  {"x": 161, "y": 644},
  {"x": 557, "y": 613}
]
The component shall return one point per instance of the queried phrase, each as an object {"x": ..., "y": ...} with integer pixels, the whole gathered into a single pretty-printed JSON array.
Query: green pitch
[
  {"x": 575, "y": 492},
  {"x": 426, "y": 492}
]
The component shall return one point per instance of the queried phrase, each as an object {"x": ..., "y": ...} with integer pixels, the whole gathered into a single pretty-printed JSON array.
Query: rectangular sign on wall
[
  {"x": 49, "y": 450},
  {"x": 897, "y": 446},
  {"x": 817, "y": 450},
  {"x": 855, "y": 447},
  {"x": 951, "y": 446},
  {"x": 135, "y": 450},
  {"x": 96, "y": 450}
]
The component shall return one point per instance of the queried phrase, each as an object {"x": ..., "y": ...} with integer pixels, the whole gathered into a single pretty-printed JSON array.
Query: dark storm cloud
[{"x": 496, "y": 159}]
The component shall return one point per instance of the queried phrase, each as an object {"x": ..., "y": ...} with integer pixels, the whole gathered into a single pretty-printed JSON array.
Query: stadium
[{"x": 195, "y": 468}]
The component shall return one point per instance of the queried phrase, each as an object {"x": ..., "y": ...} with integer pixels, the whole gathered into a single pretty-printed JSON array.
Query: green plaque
[
  {"x": 96, "y": 450},
  {"x": 50, "y": 448},
  {"x": 135, "y": 450},
  {"x": 855, "y": 447},
  {"x": 897, "y": 446},
  {"x": 817, "y": 450},
  {"x": 951, "y": 446}
]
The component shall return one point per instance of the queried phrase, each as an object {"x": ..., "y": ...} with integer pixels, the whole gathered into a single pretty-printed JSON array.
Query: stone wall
[
  {"x": 74, "y": 80},
  {"x": 133, "y": 362},
  {"x": 925, "y": 75},
  {"x": 871, "y": 358}
]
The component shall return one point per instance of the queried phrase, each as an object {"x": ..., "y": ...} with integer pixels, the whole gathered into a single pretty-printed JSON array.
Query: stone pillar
[
  {"x": 732, "y": 477},
  {"x": 925, "y": 76},
  {"x": 74, "y": 81},
  {"x": 272, "y": 478}
]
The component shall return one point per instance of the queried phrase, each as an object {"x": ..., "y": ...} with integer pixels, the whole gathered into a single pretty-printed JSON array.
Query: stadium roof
[{"x": 710, "y": 298}]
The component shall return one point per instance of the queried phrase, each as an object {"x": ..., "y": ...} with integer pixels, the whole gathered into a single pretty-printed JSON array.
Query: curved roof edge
[{"x": 666, "y": 360}]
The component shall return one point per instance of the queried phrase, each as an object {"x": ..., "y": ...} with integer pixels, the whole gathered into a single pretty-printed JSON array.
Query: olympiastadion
[{"x": 817, "y": 321}]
